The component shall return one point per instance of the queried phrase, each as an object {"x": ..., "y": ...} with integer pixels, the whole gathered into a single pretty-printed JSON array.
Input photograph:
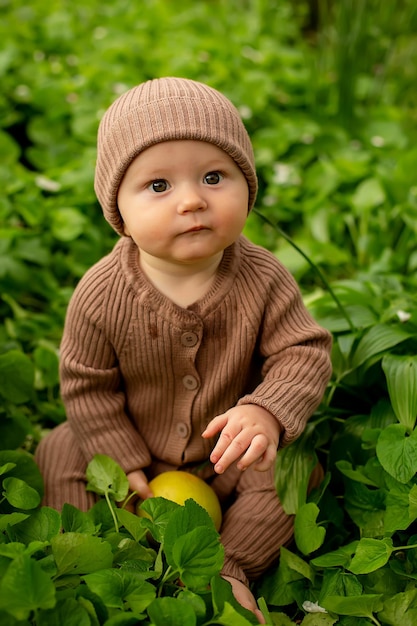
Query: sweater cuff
[{"x": 232, "y": 569}]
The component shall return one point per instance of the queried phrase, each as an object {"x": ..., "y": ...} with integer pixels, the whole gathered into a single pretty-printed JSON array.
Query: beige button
[
  {"x": 190, "y": 382},
  {"x": 182, "y": 430},
  {"x": 189, "y": 339}
]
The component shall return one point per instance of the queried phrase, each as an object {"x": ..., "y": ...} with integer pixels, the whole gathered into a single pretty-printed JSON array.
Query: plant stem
[
  {"x": 113, "y": 514},
  {"x": 313, "y": 265}
]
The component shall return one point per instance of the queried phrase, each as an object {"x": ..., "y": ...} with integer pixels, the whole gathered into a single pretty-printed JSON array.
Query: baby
[{"x": 187, "y": 347}]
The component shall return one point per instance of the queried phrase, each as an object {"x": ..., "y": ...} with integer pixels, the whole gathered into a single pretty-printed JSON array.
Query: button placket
[{"x": 189, "y": 339}]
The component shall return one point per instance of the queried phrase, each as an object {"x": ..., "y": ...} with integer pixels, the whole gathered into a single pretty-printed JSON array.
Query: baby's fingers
[
  {"x": 215, "y": 426},
  {"x": 267, "y": 460}
]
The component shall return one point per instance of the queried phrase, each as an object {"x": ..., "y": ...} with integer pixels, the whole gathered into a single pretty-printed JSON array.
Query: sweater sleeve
[
  {"x": 295, "y": 352},
  {"x": 91, "y": 384}
]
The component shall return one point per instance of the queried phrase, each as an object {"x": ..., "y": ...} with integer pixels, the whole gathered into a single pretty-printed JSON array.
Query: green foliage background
[{"x": 327, "y": 92}]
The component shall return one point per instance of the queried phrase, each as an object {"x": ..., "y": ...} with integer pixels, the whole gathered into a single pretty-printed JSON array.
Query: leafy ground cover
[{"x": 326, "y": 91}]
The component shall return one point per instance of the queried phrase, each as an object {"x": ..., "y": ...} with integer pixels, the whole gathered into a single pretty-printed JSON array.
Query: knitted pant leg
[
  {"x": 63, "y": 466},
  {"x": 254, "y": 527}
]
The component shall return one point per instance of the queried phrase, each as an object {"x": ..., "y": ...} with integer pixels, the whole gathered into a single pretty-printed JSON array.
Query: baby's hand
[
  {"x": 248, "y": 433},
  {"x": 139, "y": 483}
]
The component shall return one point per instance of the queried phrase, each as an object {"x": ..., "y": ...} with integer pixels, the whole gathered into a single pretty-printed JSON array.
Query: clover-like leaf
[{"x": 105, "y": 476}]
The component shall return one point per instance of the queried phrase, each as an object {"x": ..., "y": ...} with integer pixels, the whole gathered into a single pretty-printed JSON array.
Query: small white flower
[
  {"x": 47, "y": 184},
  {"x": 377, "y": 141},
  {"x": 403, "y": 316},
  {"x": 313, "y": 607}
]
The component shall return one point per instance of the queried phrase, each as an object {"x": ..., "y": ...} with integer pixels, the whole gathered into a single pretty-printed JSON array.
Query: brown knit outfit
[{"x": 141, "y": 377}]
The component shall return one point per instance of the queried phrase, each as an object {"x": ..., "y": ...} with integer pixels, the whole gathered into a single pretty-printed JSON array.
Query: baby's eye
[
  {"x": 213, "y": 178},
  {"x": 158, "y": 186}
]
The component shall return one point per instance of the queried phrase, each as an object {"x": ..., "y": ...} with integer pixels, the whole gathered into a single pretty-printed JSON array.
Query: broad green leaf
[
  {"x": 19, "y": 494},
  {"x": 14, "y": 549},
  {"x": 117, "y": 587},
  {"x": 77, "y": 553},
  {"x": 398, "y": 515},
  {"x": 25, "y": 587},
  {"x": 318, "y": 619},
  {"x": 359, "y": 606},
  {"x": 368, "y": 194},
  {"x": 401, "y": 375},
  {"x": 128, "y": 551},
  {"x": 74, "y": 520},
  {"x": 293, "y": 468},
  {"x": 10, "y": 519},
  {"x": 400, "y": 608},
  {"x": 24, "y": 468},
  {"x": 229, "y": 616},
  {"x": 397, "y": 452},
  {"x": 6, "y": 468},
  {"x": 354, "y": 474},
  {"x": 308, "y": 535},
  {"x": 338, "y": 582},
  {"x": 105, "y": 476},
  {"x": 197, "y": 556},
  {"x": 133, "y": 524},
  {"x": 67, "y": 612},
  {"x": 338, "y": 558},
  {"x": 170, "y": 612},
  {"x": 42, "y": 525},
  {"x": 16, "y": 377},
  {"x": 412, "y": 503},
  {"x": 183, "y": 520},
  {"x": 68, "y": 223},
  {"x": 366, "y": 507},
  {"x": 194, "y": 600},
  {"x": 160, "y": 510},
  {"x": 370, "y": 555},
  {"x": 376, "y": 340}
]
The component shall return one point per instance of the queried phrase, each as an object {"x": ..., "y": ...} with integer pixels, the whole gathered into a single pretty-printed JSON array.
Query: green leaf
[
  {"x": 197, "y": 556},
  {"x": 397, "y": 452},
  {"x": 77, "y": 553},
  {"x": 11, "y": 519},
  {"x": 368, "y": 194},
  {"x": 16, "y": 377},
  {"x": 293, "y": 468},
  {"x": 133, "y": 524},
  {"x": 308, "y": 535},
  {"x": 182, "y": 520},
  {"x": 117, "y": 587},
  {"x": 401, "y": 375},
  {"x": 338, "y": 558},
  {"x": 74, "y": 520},
  {"x": 370, "y": 555},
  {"x": 376, "y": 340},
  {"x": 278, "y": 587},
  {"x": 42, "y": 525},
  {"x": 67, "y": 612},
  {"x": 161, "y": 511},
  {"x": 400, "y": 608},
  {"x": 24, "y": 468},
  {"x": 68, "y": 223},
  {"x": 19, "y": 494},
  {"x": 25, "y": 587},
  {"x": 105, "y": 476},
  {"x": 358, "y": 606},
  {"x": 229, "y": 616},
  {"x": 170, "y": 612},
  {"x": 354, "y": 474}
]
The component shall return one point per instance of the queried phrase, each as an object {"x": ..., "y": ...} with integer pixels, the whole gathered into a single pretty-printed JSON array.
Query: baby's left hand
[{"x": 248, "y": 433}]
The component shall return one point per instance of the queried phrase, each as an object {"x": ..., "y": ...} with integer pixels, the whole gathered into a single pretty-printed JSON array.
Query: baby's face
[{"x": 183, "y": 201}]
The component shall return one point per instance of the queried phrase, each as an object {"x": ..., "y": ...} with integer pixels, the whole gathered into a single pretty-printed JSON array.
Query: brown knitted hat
[{"x": 161, "y": 110}]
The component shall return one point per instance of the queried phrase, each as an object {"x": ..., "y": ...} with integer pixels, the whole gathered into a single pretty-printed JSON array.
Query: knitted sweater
[{"x": 142, "y": 377}]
